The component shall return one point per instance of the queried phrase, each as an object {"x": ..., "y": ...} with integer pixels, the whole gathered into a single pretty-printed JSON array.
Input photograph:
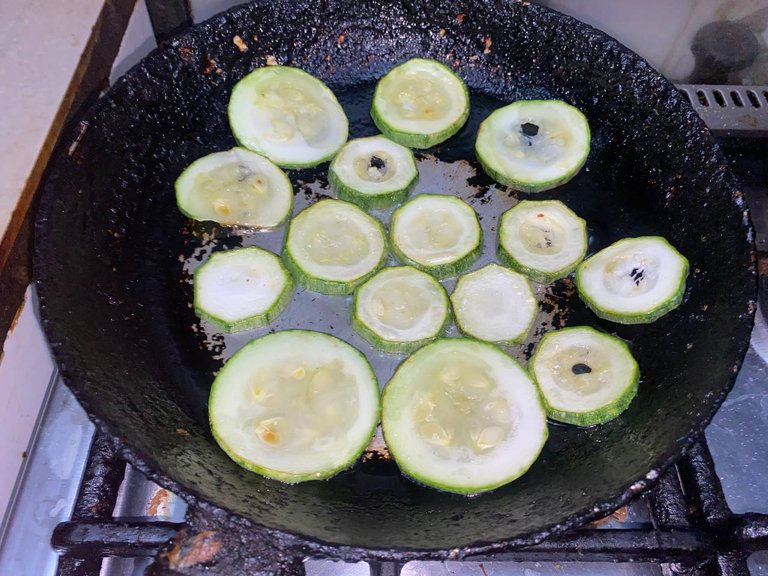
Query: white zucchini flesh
[
  {"x": 420, "y": 103},
  {"x": 462, "y": 416},
  {"x": 494, "y": 304},
  {"x": 400, "y": 308},
  {"x": 586, "y": 377},
  {"x": 242, "y": 288},
  {"x": 295, "y": 405},
  {"x": 287, "y": 115},
  {"x": 373, "y": 172},
  {"x": 543, "y": 239},
  {"x": 438, "y": 234},
  {"x": 634, "y": 280},
  {"x": 533, "y": 145},
  {"x": 333, "y": 246},
  {"x": 235, "y": 187}
]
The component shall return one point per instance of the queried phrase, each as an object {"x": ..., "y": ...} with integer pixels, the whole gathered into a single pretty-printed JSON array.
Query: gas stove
[{"x": 708, "y": 515}]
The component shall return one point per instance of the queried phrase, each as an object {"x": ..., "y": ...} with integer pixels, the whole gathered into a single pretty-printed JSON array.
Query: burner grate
[{"x": 691, "y": 531}]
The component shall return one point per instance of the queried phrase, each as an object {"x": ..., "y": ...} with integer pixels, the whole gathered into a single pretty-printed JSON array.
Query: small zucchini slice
[
  {"x": 438, "y": 234},
  {"x": 288, "y": 116},
  {"x": 373, "y": 172},
  {"x": 235, "y": 187},
  {"x": 420, "y": 103},
  {"x": 242, "y": 289},
  {"x": 295, "y": 406},
  {"x": 462, "y": 416},
  {"x": 544, "y": 240},
  {"x": 533, "y": 145},
  {"x": 333, "y": 246},
  {"x": 634, "y": 280},
  {"x": 494, "y": 304},
  {"x": 585, "y": 377},
  {"x": 400, "y": 309}
]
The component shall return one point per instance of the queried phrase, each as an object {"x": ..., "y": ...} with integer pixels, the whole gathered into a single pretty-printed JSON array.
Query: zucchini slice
[
  {"x": 585, "y": 377},
  {"x": 288, "y": 116},
  {"x": 533, "y": 145},
  {"x": 373, "y": 172},
  {"x": 462, "y": 416},
  {"x": 634, "y": 280},
  {"x": 295, "y": 406},
  {"x": 494, "y": 304},
  {"x": 420, "y": 103},
  {"x": 400, "y": 309},
  {"x": 440, "y": 235},
  {"x": 242, "y": 289},
  {"x": 333, "y": 246},
  {"x": 235, "y": 187},
  {"x": 544, "y": 240}
]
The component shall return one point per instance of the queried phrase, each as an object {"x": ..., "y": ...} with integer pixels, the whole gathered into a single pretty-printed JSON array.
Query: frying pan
[{"x": 115, "y": 298}]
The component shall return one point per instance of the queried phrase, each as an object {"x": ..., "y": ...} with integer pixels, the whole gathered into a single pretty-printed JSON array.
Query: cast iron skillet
[{"x": 115, "y": 301}]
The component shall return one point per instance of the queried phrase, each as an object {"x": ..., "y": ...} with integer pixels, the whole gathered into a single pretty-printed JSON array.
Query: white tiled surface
[
  {"x": 40, "y": 47},
  {"x": 26, "y": 369}
]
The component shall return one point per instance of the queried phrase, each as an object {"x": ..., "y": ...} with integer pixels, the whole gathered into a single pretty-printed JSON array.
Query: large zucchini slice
[
  {"x": 634, "y": 280},
  {"x": 242, "y": 288},
  {"x": 400, "y": 309},
  {"x": 544, "y": 240},
  {"x": 438, "y": 234},
  {"x": 235, "y": 187},
  {"x": 585, "y": 377},
  {"x": 333, "y": 246},
  {"x": 373, "y": 172},
  {"x": 494, "y": 304},
  {"x": 462, "y": 416},
  {"x": 295, "y": 406},
  {"x": 288, "y": 116},
  {"x": 420, "y": 103},
  {"x": 533, "y": 145}
]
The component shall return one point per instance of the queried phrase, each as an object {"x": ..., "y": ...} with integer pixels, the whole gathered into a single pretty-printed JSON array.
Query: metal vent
[{"x": 730, "y": 110}]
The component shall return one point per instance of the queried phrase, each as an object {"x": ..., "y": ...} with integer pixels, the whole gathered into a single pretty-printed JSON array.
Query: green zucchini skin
[
  {"x": 282, "y": 476},
  {"x": 416, "y": 139},
  {"x": 397, "y": 346},
  {"x": 331, "y": 286},
  {"x": 439, "y": 271},
  {"x": 250, "y": 322},
  {"x": 598, "y": 415},
  {"x": 647, "y": 316}
]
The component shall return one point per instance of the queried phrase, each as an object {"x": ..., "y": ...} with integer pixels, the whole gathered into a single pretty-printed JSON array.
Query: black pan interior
[{"x": 116, "y": 306}]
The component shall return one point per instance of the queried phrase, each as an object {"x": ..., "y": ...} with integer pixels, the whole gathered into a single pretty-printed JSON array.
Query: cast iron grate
[{"x": 691, "y": 531}]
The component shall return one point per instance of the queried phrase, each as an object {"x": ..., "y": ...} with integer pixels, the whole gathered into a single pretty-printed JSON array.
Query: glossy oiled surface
[{"x": 110, "y": 246}]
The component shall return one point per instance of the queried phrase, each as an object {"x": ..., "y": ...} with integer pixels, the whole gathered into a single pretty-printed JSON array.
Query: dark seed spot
[
  {"x": 529, "y": 129},
  {"x": 637, "y": 275},
  {"x": 378, "y": 163},
  {"x": 580, "y": 368}
]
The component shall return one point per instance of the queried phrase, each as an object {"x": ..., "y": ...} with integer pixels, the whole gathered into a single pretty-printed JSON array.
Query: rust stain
[
  {"x": 185, "y": 53},
  {"x": 441, "y": 32},
  {"x": 240, "y": 43},
  {"x": 210, "y": 66},
  {"x": 182, "y": 431},
  {"x": 487, "y": 42},
  {"x": 270, "y": 60},
  {"x": 158, "y": 501},
  {"x": 460, "y": 17},
  {"x": 199, "y": 549},
  {"x": 619, "y": 515},
  {"x": 762, "y": 264}
]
